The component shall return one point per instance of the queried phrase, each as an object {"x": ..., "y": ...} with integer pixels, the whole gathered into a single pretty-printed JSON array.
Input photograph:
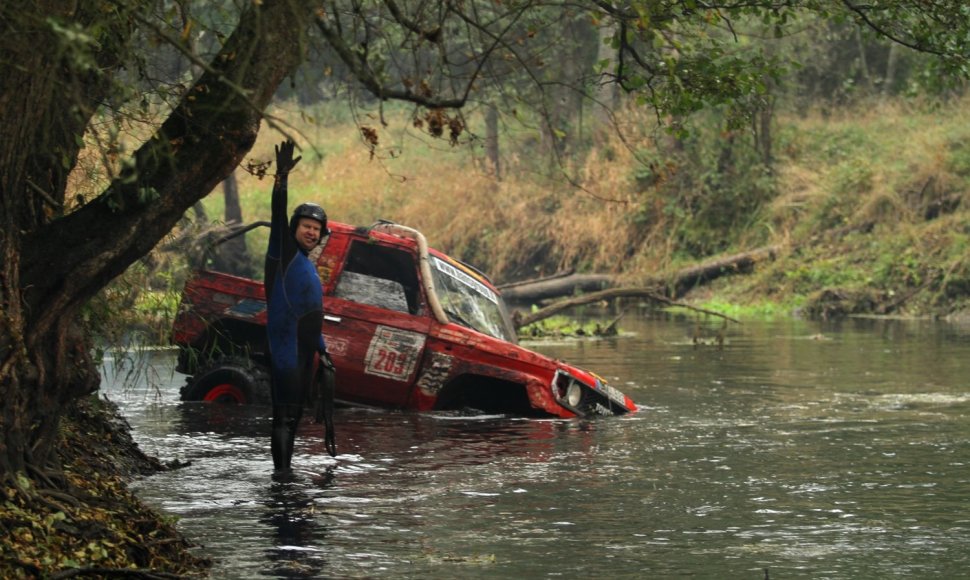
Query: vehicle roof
[{"x": 347, "y": 229}]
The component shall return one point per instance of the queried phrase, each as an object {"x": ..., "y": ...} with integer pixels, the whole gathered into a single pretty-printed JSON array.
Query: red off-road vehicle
[{"x": 407, "y": 327}]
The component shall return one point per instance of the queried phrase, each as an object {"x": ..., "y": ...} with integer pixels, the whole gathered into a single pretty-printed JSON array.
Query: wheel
[
  {"x": 226, "y": 393},
  {"x": 232, "y": 381}
]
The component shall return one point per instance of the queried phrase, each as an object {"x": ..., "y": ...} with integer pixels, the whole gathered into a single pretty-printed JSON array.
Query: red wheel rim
[{"x": 225, "y": 393}]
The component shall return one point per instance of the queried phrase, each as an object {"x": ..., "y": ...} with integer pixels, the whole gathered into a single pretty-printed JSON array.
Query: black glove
[
  {"x": 325, "y": 359},
  {"x": 284, "y": 157},
  {"x": 326, "y": 383}
]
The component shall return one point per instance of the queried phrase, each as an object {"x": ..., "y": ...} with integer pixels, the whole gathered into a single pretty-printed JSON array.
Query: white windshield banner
[{"x": 465, "y": 279}]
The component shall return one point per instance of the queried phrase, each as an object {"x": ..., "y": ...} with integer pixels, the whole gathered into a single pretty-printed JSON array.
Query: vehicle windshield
[{"x": 470, "y": 303}]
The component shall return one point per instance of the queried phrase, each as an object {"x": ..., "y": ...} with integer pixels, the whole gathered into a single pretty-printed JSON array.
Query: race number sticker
[
  {"x": 393, "y": 353},
  {"x": 336, "y": 346}
]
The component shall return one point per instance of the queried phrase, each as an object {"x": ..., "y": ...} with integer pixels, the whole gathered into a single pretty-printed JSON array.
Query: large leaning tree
[
  {"x": 66, "y": 66},
  {"x": 61, "y": 64}
]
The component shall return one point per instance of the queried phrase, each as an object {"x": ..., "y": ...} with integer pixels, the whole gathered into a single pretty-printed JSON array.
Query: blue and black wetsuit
[{"x": 294, "y": 318}]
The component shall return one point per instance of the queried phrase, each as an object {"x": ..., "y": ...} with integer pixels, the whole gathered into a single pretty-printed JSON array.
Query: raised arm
[
  {"x": 281, "y": 245},
  {"x": 284, "y": 163}
]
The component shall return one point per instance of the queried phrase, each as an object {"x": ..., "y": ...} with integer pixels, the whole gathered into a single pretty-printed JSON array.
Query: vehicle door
[{"x": 375, "y": 322}]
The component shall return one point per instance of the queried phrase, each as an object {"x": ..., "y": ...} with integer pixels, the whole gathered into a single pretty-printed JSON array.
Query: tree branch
[
  {"x": 861, "y": 13},
  {"x": 205, "y": 137},
  {"x": 360, "y": 69}
]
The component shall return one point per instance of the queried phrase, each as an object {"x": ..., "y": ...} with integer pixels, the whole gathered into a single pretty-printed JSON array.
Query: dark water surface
[{"x": 813, "y": 450}]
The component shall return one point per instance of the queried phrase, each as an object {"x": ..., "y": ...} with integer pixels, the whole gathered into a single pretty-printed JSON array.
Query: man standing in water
[{"x": 294, "y": 308}]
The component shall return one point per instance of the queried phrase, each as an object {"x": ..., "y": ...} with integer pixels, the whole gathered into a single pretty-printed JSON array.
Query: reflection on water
[
  {"x": 813, "y": 451},
  {"x": 296, "y": 550}
]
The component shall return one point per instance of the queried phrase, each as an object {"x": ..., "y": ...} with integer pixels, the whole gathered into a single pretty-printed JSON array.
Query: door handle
[{"x": 333, "y": 319}]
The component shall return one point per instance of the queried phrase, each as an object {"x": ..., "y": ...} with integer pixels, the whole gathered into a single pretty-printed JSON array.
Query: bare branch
[
  {"x": 860, "y": 11},
  {"x": 359, "y": 68}
]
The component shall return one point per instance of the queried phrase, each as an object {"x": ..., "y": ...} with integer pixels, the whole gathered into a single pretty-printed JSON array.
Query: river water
[{"x": 807, "y": 449}]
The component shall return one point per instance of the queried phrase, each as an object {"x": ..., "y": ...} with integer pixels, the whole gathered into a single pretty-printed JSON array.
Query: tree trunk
[
  {"x": 562, "y": 130},
  {"x": 863, "y": 61},
  {"x": 607, "y": 93},
  {"x": 763, "y": 121},
  {"x": 555, "y": 287},
  {"x": 492, "y": 140},
  {"x": 233, "y": 255},
  {"x": 890, "y": 78},
  {"x": 35, "y": 382},
  {"x": 53, "y": 264}
]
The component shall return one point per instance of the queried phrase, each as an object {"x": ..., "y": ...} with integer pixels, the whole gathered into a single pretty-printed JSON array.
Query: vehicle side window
[{"x": 379, "y": 276}]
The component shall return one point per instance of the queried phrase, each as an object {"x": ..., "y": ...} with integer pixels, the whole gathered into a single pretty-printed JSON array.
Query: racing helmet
[{"x": 312, "y": 211}]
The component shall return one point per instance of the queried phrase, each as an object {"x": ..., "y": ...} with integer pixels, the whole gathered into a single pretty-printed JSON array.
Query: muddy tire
[{"x": 228, "y": 381}]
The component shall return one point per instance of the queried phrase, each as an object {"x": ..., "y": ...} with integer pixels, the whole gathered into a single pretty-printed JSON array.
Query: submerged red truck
[{"x": 407, "y": 327}]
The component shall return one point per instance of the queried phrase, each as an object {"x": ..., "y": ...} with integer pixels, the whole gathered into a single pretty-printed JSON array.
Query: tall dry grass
[
  {"x": 524, "y": 224},
  {"x": 880, "y": 163}
]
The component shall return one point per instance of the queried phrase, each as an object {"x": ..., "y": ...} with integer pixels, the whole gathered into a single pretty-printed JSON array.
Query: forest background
[{"x": 854, "y": 174}]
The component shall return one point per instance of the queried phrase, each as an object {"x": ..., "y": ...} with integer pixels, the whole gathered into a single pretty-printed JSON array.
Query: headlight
[
  {"x": 574, "y": 394},
  {"x": 570, "y": 392}
]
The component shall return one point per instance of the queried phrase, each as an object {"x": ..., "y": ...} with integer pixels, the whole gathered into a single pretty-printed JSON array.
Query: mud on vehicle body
[{"x": 407, "y": 327}]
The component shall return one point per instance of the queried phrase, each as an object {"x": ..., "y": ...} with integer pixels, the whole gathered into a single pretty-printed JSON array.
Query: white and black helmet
[{"x": 312, "y": 211}]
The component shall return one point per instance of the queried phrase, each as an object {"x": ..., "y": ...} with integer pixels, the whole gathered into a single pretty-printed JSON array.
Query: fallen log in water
[
  {"x": 520, "y": 319},
  {"x": 672, "y": 286},
  {"x": 660, "y": 289},
  {"x": 555, "y": 286},
  {"x": 684, "y": 280}
]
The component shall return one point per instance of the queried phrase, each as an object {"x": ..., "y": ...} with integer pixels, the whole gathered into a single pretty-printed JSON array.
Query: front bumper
[{"x": 589, "y": 397}]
